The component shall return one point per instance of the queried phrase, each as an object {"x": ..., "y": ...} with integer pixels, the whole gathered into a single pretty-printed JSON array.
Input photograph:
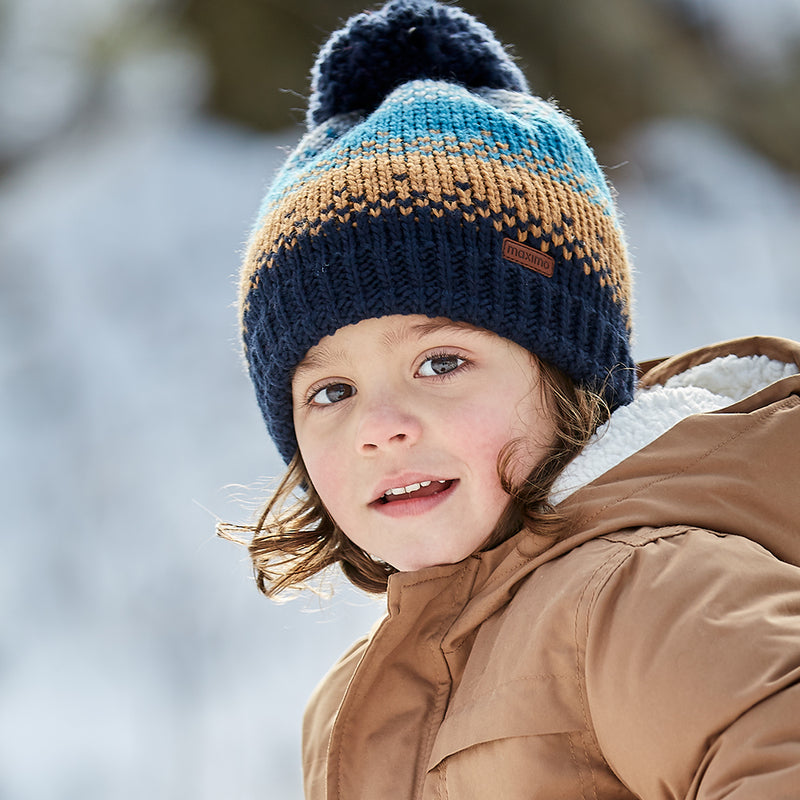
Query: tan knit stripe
[
  {"x": 435, "y": 174},
  {"x": 370, "y": 183}
]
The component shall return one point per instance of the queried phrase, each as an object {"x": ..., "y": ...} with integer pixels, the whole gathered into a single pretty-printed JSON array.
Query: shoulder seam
[{"x": 639, "y": 537}]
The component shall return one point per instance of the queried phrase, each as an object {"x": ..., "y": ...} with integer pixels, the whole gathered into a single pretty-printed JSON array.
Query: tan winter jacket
[{"x": 653, "y": 653}]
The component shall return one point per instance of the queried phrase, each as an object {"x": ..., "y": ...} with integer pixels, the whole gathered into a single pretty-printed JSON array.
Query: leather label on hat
[{"x": 529, "y": 257}]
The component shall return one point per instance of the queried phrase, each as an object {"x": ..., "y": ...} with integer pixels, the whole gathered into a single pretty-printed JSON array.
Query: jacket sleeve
[{"x": 693, "y": 668}]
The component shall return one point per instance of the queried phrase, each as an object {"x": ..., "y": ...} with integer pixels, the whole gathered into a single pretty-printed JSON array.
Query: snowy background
[{"x": 136, "y": 657}]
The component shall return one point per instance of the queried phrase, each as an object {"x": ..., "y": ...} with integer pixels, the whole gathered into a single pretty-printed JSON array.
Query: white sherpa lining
[{"x": 699, "y": 390}]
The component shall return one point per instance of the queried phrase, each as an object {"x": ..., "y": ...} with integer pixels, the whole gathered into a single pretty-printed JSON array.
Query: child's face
[{"x": 400, "y": 421}]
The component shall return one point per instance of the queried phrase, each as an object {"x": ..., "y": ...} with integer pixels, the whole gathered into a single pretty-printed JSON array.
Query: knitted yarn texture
[{"x": 438, "y": 187}]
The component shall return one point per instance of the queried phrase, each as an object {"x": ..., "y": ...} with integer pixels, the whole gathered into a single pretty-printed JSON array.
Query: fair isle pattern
[
  {"x": 405, "y": 212},
  {"x": 503, "y": 175}
]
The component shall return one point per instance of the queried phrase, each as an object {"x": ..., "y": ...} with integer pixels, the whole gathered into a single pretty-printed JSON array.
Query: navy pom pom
[{"x": 405, "y": 40}]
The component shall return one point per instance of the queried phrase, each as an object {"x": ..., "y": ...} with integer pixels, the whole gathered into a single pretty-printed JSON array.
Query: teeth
[{"x": 412, "y": 487}]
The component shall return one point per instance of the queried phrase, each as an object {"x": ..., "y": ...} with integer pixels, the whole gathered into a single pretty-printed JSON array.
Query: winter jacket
[{"x": 653, "y": 652}]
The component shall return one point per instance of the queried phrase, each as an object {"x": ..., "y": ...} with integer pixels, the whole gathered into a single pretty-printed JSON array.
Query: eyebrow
[{"x": 318, "y": 357}]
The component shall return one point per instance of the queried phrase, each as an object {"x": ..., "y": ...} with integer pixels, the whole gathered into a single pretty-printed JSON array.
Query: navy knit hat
[{"x": 432, "y": 182}]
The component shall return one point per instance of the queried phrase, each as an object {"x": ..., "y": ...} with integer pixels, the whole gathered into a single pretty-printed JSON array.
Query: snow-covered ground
[{"x": 137, "y": 658}]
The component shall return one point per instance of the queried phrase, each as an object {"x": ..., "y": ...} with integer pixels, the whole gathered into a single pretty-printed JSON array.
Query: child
[{"x": 591, "y": 592}]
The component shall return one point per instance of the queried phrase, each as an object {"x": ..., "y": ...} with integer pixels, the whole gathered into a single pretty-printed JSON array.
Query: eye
[
  {"x": 440, "y": 365},
  {"x": 330, "y": 394}
]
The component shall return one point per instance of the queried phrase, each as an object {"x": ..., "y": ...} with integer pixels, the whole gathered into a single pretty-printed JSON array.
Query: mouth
[{"x": 414, "y": 491}]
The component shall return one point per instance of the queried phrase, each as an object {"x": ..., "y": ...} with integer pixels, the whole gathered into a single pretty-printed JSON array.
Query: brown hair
[{"x": 295, "y": 538}]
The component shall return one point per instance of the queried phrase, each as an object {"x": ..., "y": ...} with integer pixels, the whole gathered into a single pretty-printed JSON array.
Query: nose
[{"x": 386, "y": 424}]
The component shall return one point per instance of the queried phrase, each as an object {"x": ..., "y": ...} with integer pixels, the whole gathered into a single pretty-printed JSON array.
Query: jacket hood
[
  {"x": 724, "y": 456},
  {"x": 731, "y": 469}
]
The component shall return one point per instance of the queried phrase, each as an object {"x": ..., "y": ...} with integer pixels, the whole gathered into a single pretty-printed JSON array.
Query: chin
[{"x": 432, "y": 560}]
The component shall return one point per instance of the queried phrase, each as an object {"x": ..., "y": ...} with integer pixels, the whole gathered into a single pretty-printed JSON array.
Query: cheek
[
  {"x": 484, "y": 432},
  {"x": 328, "y": 479},
  {"x": 325, "y": 473},
  {"x": 325, "y": 469}
]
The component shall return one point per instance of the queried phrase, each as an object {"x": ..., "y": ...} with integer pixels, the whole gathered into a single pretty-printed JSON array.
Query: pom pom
[{"x": 405, "y": 40}]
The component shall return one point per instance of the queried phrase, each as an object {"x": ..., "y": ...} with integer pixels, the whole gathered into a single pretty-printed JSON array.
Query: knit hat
[{"x": 430, "y": 181}]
